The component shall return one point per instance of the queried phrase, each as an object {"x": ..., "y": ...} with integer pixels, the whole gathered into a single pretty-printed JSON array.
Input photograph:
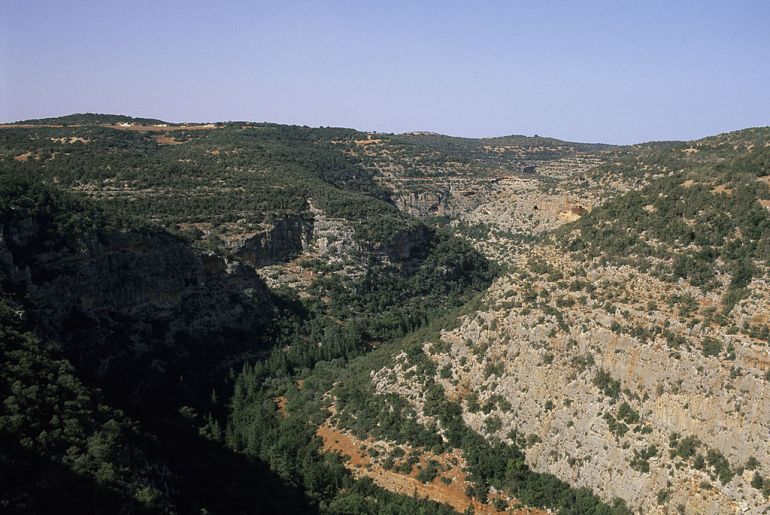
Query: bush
[
  {"x": 711, "y": 347},
  {"x": 606, "y": 384},
  {"x": 429, "y": 472}
]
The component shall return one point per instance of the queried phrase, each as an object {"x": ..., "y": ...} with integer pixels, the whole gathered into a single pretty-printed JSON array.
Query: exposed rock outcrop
[
  {"x": 278, "y": 242},
  {"x": 439, "y": 196},
  {"x": 425, "y": 203},
  {"x": 602, "y": 395},
  {"x": 335, "y": 242}
]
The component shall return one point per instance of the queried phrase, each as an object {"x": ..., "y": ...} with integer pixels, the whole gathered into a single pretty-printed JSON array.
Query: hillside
[
  {"x": 115, "y": 335},
  {"x": 628, "y": 352},
  {"x": 515, "y": 323},
  {"x": 162, "y": 327}
]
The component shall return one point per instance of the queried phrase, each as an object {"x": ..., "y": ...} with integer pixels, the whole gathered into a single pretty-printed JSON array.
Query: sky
[{"x": 617, "y": 71}]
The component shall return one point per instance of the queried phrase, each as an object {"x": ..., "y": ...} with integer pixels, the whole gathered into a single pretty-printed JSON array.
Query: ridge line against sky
[
  {"x": 610, "y": 72},
  {"x": 489, "y": 136}
]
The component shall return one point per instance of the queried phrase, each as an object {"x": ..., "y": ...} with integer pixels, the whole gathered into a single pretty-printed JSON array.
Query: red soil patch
[{"x": 450, "y": 490}]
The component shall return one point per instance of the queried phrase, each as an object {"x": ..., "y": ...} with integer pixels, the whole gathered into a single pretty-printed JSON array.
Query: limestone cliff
[
  {"x": 645, "y": 400},
  {"x": 275, "y": 243}
]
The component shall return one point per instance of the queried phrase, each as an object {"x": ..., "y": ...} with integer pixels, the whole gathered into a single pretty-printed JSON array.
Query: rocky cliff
[
  {"x": 651, "y": 401},
  {"x": 335, "y": 245},
  {"x": 275, "y": 243}
]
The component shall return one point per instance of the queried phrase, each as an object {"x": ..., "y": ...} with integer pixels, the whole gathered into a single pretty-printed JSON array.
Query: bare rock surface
[{"x": 620, "y": 396}]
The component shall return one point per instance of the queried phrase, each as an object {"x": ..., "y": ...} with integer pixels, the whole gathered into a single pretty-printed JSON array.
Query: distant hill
[
  {"x": 444, "y": 142},
  {"x": 90, "y": 119}
]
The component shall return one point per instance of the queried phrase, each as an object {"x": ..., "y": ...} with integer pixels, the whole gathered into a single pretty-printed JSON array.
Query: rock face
[
  {"x": 135, "y": 308},
  {"x": 439, "y": 196},
  {"x": 425, "y": 203},
  {"x": 334, "y": 239},
  {"x": 335, "y": 242},
  {"x": 622, "y": 398},
  {"x": 278, "y": 242}
]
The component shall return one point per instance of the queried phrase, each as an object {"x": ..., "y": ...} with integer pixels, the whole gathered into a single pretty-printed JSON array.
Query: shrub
[
  {"x": 606, "y": 384},
  {"x": 711, "y": 347}
]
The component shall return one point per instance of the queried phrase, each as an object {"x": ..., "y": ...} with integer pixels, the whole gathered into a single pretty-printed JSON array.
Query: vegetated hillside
[
  {"x": 629, "y": 352},
  {"x": 146, "y": 335},
  {"x": 157, "y": 329},
  {"x": 116, "y": 338},
  {"x": 305, "y": 206},
  {"x": 700, "y": 214},
  {"x": 241, "y": 179},
  {"x": 124, "y": 296},
  {"x": 91, "y": 119},
  {"x": 251, "y": 298}
]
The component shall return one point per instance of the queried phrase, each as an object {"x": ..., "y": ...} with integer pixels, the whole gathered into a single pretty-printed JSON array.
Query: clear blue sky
[{"x": 616, "y": 71}]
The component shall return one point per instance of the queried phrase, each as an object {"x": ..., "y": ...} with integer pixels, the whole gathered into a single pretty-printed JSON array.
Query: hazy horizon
[{"x": 604, "y": 72}]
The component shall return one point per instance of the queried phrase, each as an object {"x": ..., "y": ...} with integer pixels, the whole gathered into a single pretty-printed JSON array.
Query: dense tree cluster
[{"x": 61, "y": 448}]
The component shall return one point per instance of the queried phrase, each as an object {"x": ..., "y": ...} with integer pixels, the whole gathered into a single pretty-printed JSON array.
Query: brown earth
[
  {"x": 723, "y": 188},
  {"x": 368, "y": 141},
  {"x": 451, "y": 467}
]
